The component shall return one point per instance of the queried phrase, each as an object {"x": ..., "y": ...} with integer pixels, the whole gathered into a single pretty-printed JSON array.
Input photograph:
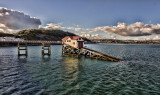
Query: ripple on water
[{"x": 57, "y": 75}]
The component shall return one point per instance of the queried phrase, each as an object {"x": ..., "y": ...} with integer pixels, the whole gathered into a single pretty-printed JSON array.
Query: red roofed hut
[{"x": 74, "y": 41}]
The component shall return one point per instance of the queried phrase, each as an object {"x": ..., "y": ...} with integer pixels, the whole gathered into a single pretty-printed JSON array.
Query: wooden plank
[
  {"x": 101, "y": 54},
  {"x": 88, "y": 53},
  {"x": 22, "y": 49},
  {"x": 22, "y": 46},
  {"x": 22, "y": 55}
]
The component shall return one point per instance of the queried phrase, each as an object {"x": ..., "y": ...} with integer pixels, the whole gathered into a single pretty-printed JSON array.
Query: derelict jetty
[{"x": 72, "y": 45}]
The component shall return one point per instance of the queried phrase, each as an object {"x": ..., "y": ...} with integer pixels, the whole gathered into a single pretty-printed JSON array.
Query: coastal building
[{"x": 74, "y": 41}]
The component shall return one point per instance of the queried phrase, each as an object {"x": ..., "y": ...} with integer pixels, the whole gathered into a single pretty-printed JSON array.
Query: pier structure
[
  {"x": 5, "y": 43},
  {"x": 46, "y": 49},
  {"x": 73, "y": 45},
  {"x": 22, "y": 46},
  {"x": 69, "y": 50},
  {"x": 22, "y": 49}
]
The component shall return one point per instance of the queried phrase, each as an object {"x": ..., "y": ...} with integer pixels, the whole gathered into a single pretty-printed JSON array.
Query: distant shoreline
[
  {"x": 149, "y": 43},
  {"x": 125, "y": 41}
]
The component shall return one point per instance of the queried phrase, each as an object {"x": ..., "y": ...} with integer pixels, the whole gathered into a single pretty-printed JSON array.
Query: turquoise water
[{"x": 139, "y": 74}]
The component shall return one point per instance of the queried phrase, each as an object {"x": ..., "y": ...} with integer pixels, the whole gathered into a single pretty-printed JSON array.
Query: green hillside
[{"x": 42, "y": 34}]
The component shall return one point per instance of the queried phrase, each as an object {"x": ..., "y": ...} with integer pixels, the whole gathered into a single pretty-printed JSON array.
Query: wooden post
[
  {"x": 18, "y": 50},
  {"x": 49, "y": 50},
  {"x": 62, "y": 49},
  {"x": 46, "y": 47},
  {"x": 24, "y": 47},
  {"x": 26, "y": 50},
  {"x": 42, "y": 49}
]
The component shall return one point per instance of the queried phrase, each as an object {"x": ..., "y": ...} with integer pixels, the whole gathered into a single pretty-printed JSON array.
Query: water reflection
[
  {"x": 46, "y": 58},
  {"x": 22, "y": 59},
  {"x": 72, "y": 67}
]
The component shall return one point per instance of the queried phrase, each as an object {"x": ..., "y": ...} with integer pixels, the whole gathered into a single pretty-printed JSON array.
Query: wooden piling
[
  {"x": 46, "y": 47},
  {"x": 22, "y": 47}
]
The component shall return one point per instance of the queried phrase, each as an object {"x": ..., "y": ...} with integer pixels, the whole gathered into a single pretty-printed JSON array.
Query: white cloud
[
  {"x": 2, "y": 25},
  {"x": 58, "y": 26},
  {"x": 7, "y": 13},
  {"x": 113, "y": 36},
  {"x": 52, "y": 26},
  {"x": 135, "y": 29},
  {"x": 1, "y": 14},
  {"x": 93, "y": 36},
  {"x": 78, "y": 29},
  {"x": 156, "y": 38},
  {"x": 12, "y": 21},
  {"x": 84, "y": 32},
  {"x": 1, "y": 30},
  {"x": 69, "y": 28}
]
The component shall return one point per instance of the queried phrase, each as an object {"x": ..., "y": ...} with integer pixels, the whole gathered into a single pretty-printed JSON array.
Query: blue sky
[{"x": 88, "y": 13}]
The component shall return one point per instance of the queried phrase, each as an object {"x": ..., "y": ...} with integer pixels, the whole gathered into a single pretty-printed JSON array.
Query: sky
[{"x": 90, "y": 14}]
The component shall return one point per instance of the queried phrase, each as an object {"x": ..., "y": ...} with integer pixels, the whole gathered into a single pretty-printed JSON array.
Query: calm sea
[{"x": 139, "y": 74}]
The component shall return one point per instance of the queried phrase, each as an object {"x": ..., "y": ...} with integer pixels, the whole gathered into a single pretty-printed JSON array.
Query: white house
[{"x": 74, "y": 41}]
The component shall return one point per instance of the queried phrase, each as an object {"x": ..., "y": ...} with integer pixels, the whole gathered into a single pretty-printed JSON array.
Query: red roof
[
  {"x": 65, "y": 38},
  {"x": 72, "y": 37}
]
